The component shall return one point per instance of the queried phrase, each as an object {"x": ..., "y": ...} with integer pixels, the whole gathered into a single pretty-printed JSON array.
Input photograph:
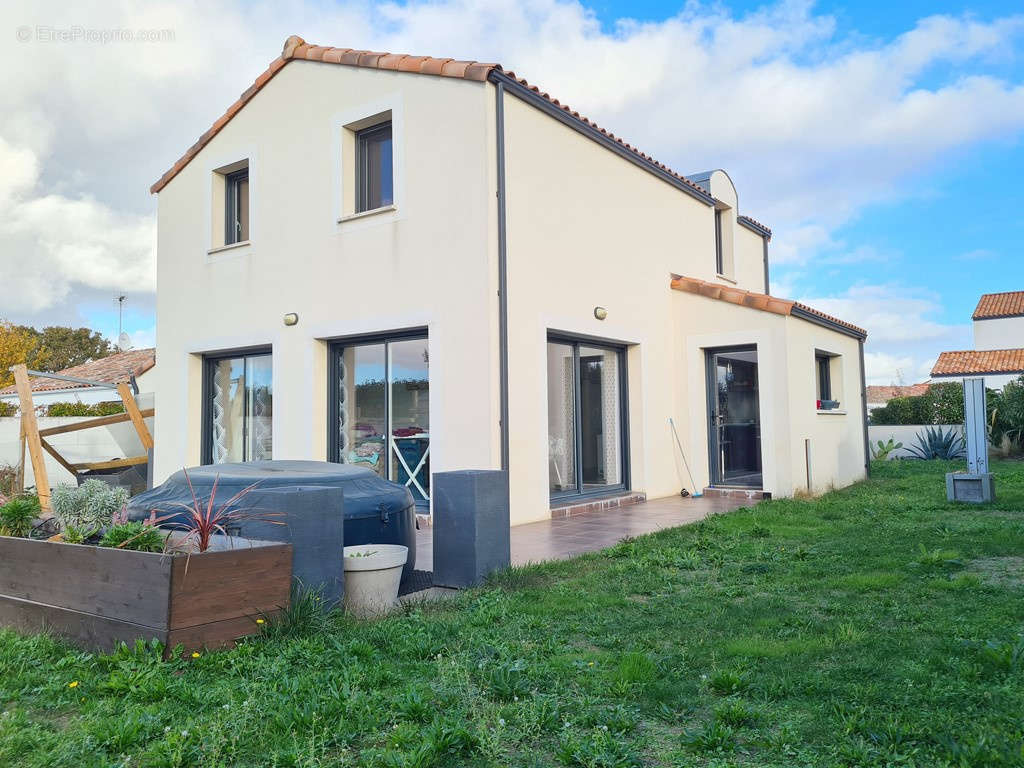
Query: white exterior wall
[
  {"x": 992, "y": 380},
  {"x": 999, "y": 333},
  {"x": 430, "y": 262},
  {"x": 586, "y": 228}
]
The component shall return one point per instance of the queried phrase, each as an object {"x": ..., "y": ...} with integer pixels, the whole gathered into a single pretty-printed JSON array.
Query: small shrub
[
  {"x": 108, "y": 408},
  {"x": 18, "y": 515},
  {"x": 136, "y": 536},
  {"x": 90, "y": 505}
]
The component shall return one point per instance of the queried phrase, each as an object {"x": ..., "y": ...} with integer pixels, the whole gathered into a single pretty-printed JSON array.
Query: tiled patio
[{"x": 560, "y": 539}]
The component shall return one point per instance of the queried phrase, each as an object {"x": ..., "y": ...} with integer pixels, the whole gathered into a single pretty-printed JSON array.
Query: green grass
[{"x": 875, "y": 626}]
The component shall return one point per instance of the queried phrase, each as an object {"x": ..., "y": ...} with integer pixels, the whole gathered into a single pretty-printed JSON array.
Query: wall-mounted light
[
  {"x": 291, "y": 318},
  {"x": 600, "y": 313}
]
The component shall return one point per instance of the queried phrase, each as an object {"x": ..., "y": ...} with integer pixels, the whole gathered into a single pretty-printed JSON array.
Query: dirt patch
[{"x": 999, "y": 571}]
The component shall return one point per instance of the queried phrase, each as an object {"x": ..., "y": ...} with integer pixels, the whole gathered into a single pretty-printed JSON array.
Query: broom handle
[{"x": 683, "y": 455}]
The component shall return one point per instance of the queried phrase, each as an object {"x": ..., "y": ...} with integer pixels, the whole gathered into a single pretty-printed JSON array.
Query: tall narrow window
[
  {"x": 381, "y": 407},
  {"x": 236, "y": 207},
  {"x": 824, "y": 364},
  {"x": 239, "y": 408},
  {"x": 374, "y": 179},
  {"x": 719, "y": 255}
]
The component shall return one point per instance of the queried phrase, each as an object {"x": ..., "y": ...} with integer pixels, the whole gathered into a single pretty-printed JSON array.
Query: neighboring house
[
  {"x": 112, "y": 369},
  {"x": 878, "y": 396},
  {"x": 419, "y": 265},
  {"x": 998, "y": 354}
]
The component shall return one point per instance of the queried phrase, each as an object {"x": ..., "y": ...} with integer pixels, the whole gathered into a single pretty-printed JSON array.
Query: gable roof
[
  {"x": 765, "y": 303},
  {"x": 112, "y": 369},
  {"x": 993, "y": 305},
  {"x": 883, "y": 394},
  {"x": 297, "y": 49},
  {"x": 977, "y": 361}
]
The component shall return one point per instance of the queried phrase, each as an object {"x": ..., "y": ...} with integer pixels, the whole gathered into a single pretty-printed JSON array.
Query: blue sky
[{"x": 882, "y": 141}]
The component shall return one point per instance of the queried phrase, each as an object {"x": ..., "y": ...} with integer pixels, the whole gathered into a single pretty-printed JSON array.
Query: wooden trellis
[{"x": 34, "y": 439}]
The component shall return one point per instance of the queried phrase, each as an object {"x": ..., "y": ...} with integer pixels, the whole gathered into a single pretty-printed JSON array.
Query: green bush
[
  {"x": 108, "y": 408},
  {"x": 7, "y": 409},
  {"x": 135, "y": 535},
  {"x": 89, "y": 506},
  {"x": 1006, "y": 413},
  {"x": 18, "y": 515},
  {"x": 941, "y": 404}
]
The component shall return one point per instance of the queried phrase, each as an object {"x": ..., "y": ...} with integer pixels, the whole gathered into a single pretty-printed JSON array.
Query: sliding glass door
[
  {"x": 586, "y": 417},
  {"x": 381, "y": 408},
  {"x": 238, "y": 408}
]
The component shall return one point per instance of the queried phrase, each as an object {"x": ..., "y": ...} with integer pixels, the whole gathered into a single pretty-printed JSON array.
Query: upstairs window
[
  {"x": 374, "y": 168},
  {"x": 824, "y": 364},
  {"x": 829, "y": 374},
  {"x": 719, "y": 251},
  {"x": 236, "y": 207}
]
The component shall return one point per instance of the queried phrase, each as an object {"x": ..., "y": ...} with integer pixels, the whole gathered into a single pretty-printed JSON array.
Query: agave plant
[
  {"x": 205, "y": 518},
  {"x": 937, "y": 443}
]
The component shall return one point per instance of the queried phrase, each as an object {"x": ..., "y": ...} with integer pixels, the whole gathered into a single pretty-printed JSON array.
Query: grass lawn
[{"x": 875, "y": 626}]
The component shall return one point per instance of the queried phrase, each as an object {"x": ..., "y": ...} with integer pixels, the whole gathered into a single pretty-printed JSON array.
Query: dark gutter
[
  {"x": 832, "y": 325},
  {"x": 767, "y": 291},
  {"x": 864, "y": 405},
  {"x": 499, "y": 117},
  {"x": 753, "y": 226},
  {"x": 519, "y": 90}
]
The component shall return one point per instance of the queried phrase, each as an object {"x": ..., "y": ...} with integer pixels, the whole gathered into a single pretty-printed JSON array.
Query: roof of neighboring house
[
  {"x": 297, "y": 49},
  {"x": 883, "y": 394},
  {"x": 112, "y": 369},
  {"x": 993, "y": 305},
  {"x": 975, "y": 361},
  {"x": 763, "y": 302}
]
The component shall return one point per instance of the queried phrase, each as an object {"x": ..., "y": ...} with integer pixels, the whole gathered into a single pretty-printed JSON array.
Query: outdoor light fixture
[
  {"x": 291, "y": 319},
  {"x": 600, "y": 313}
]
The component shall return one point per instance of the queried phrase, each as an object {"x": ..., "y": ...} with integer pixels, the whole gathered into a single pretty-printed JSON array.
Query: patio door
[
  {"x": 586, "y": 418},
  {"x": 734, "y": 418},
  {"x": 381, "y": 409}
]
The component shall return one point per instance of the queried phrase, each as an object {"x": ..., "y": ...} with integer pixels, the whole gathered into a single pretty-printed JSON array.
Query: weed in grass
[
  {"x": 306, "y": 614},
  {"x": 735, "y": 713},
  {"x": 760, "y": 531},
  {"x": 716, "y": 736},
  {"x": 414, "y": 706},
  {"x": 635, "y": 670},
  {"x": 596, "y": 748},
  {"x": 1001, "y": 656},
  {"x": 726, "y": 682},
  {"x": 938, "y": 558},
  {"x": 507, "y": 681}
]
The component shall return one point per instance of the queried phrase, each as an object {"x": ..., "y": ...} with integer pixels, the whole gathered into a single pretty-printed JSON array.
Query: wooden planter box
[{"x": 97, "y": 597}]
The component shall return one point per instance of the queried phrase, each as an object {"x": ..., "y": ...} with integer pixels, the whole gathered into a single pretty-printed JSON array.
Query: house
[
  {"x": 878, "y": 396},
  {"x": 84, "y": 383},
  {"x": 419, "y": 264},
  {"x": 998, "y": 354}
]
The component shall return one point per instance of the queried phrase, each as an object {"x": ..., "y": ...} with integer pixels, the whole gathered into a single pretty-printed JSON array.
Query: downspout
[
  {"x": 764, "y": 240},
  {"x": 864, "y": 406},
  {"x": 499, "y": 117}
]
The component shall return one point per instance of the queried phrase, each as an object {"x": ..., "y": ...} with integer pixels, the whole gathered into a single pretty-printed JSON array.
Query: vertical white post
[{"x": 975, "y": 423}]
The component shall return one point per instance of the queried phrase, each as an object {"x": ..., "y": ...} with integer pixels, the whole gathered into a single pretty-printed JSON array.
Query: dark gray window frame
[
  {"x": 576, "y": 341},
  {"x": 710, "y": 386},
  {"x": 823, "y": 374},
  {"x": 209, "y": 362},
  {"x": 362, "y": 169},
  {"x": 719, "y": 258},
  {"x": 232, "y": 205}
]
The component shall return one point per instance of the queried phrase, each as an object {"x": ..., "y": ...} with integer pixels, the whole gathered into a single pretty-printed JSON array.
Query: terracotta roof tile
[
  {"x": 976, "y": 361},
  {"x": 992, "y": 305},
  {"x": 297, "y": 48},
  {"x": 883, "y": 394},
  {"x": 761, "y": 301},
  {"x": 112, "y": 369}
]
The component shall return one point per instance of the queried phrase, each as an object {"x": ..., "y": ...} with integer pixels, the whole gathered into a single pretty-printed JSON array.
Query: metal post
[{"x": 975, "y": 422}]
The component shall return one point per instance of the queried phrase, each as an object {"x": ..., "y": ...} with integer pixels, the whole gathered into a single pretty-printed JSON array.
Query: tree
[
  {"x": 15, "y": 346},
  {"x": 59, "y": 347}
]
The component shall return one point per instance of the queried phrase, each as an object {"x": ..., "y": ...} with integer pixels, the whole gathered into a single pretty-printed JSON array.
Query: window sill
[
  {"x": 727, "y": 279},
  {"x": 831, "y": 412},
  {"x": 229, "y": 247},
  {"x": 364, "y": 214}
]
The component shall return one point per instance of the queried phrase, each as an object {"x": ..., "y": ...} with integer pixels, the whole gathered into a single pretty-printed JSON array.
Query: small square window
[
  {"x": 374, "y": 174},
  {"x": 236, "y": 207}
]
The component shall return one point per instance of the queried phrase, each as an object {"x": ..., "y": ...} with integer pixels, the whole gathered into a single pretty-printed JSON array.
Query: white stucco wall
[
  {"x": 999, "y": 333},
  {"x": 430, "y": 262},
  {"x": 903, "y": 433}
]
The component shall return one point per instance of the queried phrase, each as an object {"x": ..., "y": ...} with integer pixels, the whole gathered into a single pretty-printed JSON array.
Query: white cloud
[
  {"x": 903, "y": 338},
  {"x": 812, "y": 122}
]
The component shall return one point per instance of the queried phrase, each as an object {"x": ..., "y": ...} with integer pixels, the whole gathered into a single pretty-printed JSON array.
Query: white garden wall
[{"x": 902, "y": 433}]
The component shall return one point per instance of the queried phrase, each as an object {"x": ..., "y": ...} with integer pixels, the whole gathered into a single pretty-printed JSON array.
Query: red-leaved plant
[{"x": 205, "y": 519}]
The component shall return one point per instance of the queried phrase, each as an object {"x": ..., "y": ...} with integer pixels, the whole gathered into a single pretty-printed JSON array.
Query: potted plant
[{"x": 372, "y": 575}]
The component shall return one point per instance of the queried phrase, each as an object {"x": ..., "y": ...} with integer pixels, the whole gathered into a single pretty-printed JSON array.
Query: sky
[{"x": 881, "y": 142}]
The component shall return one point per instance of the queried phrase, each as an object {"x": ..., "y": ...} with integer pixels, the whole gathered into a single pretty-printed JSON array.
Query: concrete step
[
  {"x": 573, "y": 507},
  {"x": 749, "y": 494}
]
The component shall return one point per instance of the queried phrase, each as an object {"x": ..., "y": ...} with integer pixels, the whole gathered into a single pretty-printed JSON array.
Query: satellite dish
[{"x": 124, "y": 341}]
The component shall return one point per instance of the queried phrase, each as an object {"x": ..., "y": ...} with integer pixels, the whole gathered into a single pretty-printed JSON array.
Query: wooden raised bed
[{"x": 97, "y": 597}]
